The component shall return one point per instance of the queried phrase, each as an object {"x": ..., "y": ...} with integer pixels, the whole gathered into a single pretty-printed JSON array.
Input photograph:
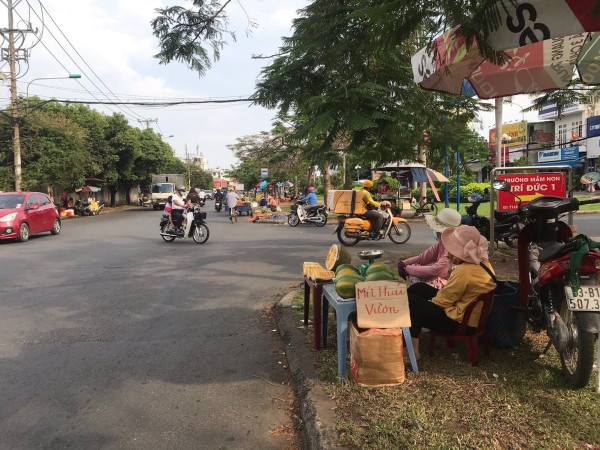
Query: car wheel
[
  {"x": 56, "y": 227},
  {"x": 24, "y": 232}
]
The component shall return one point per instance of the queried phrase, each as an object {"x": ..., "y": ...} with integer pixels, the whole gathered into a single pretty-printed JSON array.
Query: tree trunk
[
  {"x": 311, "y": 172},
  {"x": 326, "y": 183},
  {"x": 295, "y": 185},
  {"x": 113, "y": 195}
]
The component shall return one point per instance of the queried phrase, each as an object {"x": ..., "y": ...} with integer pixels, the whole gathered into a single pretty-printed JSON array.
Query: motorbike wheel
[
  {"x": 323, "y": 221},
  {"x": 201, "y": 233},
  {"x": 400, "y": 233},
  {"x": 577, "y": 359},
  {"x": 164, "y": 229},
  {"x": 348, "y": 242},
  {"x": 293, "y": 220}
]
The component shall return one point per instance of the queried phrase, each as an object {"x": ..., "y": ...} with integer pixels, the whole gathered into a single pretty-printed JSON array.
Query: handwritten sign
[{"x": 382, "y": 304}]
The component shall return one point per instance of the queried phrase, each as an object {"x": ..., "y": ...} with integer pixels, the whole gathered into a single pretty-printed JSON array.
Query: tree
[{"x": 201, "y": 179}]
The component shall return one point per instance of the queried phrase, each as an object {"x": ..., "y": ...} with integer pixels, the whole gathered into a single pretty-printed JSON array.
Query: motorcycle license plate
[{"x": 587, "y": 299}]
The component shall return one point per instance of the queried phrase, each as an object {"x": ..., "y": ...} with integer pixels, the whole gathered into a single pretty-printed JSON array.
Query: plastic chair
[{"x": 471, "y": 340}]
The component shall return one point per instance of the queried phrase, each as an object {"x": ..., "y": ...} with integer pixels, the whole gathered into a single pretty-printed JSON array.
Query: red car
[{"x": 25, "y": 213}]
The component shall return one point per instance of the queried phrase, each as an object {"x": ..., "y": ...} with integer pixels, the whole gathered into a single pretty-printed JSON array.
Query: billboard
[
  {"x": 593, "y": 126},
  {"x": 517, "y": 135},
  {"x": 264, "y": 172},
  {"x": 529, "y": 187}
]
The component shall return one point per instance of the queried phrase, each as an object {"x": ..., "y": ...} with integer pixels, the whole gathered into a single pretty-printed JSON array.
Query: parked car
[
  {"x": 209, "y": 194},
  {"x": 25, "y": 213}
]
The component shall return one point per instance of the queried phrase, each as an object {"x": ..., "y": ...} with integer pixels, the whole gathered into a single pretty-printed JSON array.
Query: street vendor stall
[{"x": 245, "y": 205}]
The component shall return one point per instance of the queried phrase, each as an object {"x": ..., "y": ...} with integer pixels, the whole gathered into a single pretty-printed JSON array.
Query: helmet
[
  {"x": 180, "y": 188},
  {"x": 368, "y": 184},
  {"x": 311, "y": 189}
]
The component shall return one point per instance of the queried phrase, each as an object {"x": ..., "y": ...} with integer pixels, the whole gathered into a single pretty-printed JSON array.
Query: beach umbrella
[
  {"x": 544, "y": 39},
  {"x": 434, "y": 175}
]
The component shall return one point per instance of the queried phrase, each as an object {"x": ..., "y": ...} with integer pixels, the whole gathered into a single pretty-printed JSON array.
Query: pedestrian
[{"x": 232, "y": 199}]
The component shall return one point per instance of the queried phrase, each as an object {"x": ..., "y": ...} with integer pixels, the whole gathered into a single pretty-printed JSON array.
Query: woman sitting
[
  {"x": 443, "y": 310},
  {"x": 431, "y": 266}
]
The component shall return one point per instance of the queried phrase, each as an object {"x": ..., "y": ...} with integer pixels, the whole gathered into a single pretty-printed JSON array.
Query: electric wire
[
  {"x": 82, "y": 58},
  {"x": 67, "y": 70}
]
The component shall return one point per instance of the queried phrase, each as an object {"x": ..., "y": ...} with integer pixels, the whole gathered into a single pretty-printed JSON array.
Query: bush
[{"x": 465, "y": 191}]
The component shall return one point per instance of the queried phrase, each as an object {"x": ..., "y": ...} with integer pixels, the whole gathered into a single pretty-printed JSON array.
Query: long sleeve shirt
[
  {"x": 310, "y": 199},
  {"x": 466, "y": 282},
  {"x": 368, "y": 200},
  {"x": 430, "y": 264}
]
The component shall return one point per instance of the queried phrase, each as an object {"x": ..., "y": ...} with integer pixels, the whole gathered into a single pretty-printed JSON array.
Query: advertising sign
[
  {"x": 593, "y": 147},
  {"x": 382, "y": 304},
  {"x": 569, "y": 153},
  {"x": 517, "y": 135},
  {"x": 264, "y": 172},
  {"x": 593, "y": 126},
  {"x": 529, "y": 187},
  {"x": 549, "y": 155}
]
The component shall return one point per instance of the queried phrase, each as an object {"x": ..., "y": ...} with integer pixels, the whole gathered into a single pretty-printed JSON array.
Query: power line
[
  {"x": 77, "y": 65},
  {"x": 169, "y": 103},
  {"x": 78, "y": 54}
]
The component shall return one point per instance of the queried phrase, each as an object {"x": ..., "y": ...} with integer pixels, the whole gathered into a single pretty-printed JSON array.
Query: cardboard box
[
  {"x": 346, "y": 202},
  {"x": 376, "y": 356}
]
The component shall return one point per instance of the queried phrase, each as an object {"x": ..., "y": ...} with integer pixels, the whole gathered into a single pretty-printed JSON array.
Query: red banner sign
[{"x": 529, "y": 187}]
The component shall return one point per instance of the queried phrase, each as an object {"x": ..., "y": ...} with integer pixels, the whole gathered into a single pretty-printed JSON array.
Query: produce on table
[
  {"x": 378, "y": 267},
  {"x": 379, "y": 275},
  {"x": 347, "y": 268},
  {"x": 337, "y": 256},
  {"x": 321, "y": 274},
  {"x": 308, "y": 266},
  {"x": 344, "y": 286}
]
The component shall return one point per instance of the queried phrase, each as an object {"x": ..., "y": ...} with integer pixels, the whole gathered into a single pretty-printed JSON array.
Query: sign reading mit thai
[
  {"x": 382, "y": 304},
  {"x": 529, "y": 187}
]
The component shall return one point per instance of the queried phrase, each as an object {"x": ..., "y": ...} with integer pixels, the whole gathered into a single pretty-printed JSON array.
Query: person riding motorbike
[
  {"x": 178, "y": 204},
  {"x": 193, "y": 197},
  {"x": 431, "y": 266},
  {"x": 310, "y": 199},
  {"x": 372, "y": 214},
  {"x": 232, "y": 200},
  {"x": 219, "y": 197}
]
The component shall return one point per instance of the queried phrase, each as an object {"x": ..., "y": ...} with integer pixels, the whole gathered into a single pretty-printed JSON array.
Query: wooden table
[{"x": 317, "y": 294}]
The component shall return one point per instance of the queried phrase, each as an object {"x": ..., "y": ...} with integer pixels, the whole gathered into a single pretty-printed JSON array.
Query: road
[{"x": 113, "y": 338}]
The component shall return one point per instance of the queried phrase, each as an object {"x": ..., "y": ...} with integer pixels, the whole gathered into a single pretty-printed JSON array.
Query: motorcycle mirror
[
  {"x": 590, "y": 177},
  {"x": 501, "y": 185}
]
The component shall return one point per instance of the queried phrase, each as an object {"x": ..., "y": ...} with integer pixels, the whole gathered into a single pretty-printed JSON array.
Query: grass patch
[{"x": 512, "y": 400}]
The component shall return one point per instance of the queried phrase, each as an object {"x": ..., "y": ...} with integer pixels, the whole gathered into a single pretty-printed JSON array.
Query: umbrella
[
  {"x": 87, "y": 189},
  {"x": 542, "y": 57},
  {"x": 436, "y": 176},
  {"x": 286, "y": 184}
]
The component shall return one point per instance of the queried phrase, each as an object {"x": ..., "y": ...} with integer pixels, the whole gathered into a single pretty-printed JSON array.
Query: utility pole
[
  {"x": 14, "y": 54},
  {"x": 187, "y": 161},
  {"x": 148, "y": 122}
]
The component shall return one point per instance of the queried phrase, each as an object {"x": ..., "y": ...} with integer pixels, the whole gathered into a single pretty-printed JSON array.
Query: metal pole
[
  {"x": 458, "y": 181},
  {"x": 446, "y": 164},
  {"x": 13, "y": 98},
  {"x": 498, "y": 131}
]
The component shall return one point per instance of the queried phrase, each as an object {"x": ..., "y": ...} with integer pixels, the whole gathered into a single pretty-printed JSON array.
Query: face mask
[{"x": 436, "y": 237}]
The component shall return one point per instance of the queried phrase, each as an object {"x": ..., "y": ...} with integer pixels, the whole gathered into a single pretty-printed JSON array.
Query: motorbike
[
  {"x": 193, "y": 226},
  {"x": 572, "y": 322},
  {"x": 86, "y": 208},
  {"x": 353, "y": 228},
  {"x": 316, "y": 215},
  {"x": 506, "y": 226},
  {"x": 218, "y": 205}
]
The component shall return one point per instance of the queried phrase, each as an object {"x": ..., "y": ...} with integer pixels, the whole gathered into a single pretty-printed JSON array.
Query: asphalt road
[{"x": 113, "y": 338}]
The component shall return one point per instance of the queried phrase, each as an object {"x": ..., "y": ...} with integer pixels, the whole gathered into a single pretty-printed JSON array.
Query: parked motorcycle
[
  {"x": 316, "y": 215},
  {"x": 353, "y": 228},
  {"x": 193, "y": 226},
  {"x": 506, "y": 226},
  {"x": 544, "y": 256}
]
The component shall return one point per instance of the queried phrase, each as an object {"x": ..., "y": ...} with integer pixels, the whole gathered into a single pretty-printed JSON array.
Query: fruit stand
[{"x": 245, "y": 205}]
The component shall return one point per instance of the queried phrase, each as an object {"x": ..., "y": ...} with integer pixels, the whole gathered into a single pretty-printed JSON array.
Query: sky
[
  {"x": 116, "y": 46},
  {"x": 110, "y": 43}
]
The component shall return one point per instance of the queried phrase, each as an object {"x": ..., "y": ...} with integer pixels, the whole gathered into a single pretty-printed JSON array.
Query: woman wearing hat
[
  {"x": 442, "y": 310},
  {"x": 431, "y": 266}
]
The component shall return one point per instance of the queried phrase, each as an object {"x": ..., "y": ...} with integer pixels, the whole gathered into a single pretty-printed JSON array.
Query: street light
[
  {"x": 71, "y": 76},
  {"x": 358, "y": 172}
]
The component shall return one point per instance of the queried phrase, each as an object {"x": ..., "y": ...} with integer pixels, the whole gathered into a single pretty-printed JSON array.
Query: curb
[{"x": 315, "y": 407}]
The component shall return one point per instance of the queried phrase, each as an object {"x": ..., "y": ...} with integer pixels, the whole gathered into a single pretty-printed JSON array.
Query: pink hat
[
  {"x": 465, "y": 243},
  {"x": 311, "y": 188}
]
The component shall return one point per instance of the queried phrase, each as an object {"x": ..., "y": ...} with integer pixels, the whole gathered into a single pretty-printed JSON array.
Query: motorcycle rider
[
  {"x": 218, "y": 198},
  {"x": 178, "y": 204},
  {"x": 232, "y": 199},
  {"x": 310, "y": 199},
  {"x": 372, "y": 214},
  {"x": 193, "y": 197}
]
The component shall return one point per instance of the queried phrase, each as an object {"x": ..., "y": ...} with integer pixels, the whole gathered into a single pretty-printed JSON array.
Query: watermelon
[
  {"x": 378, "y": 267},
  {"x": 345, "y": 286},
  {"x": 347, "y": 267},
  {"x": 337, "y": 256},
  {"x": 380, "y": 275}
]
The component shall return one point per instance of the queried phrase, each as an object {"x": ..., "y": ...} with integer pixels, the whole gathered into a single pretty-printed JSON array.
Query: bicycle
[
  {"x": 428, "y": 207},
  {"x": 233, "y": 214}
]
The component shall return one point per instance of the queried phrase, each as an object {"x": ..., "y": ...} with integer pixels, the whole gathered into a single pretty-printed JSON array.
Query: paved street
[{"x": 113, "y": 338}]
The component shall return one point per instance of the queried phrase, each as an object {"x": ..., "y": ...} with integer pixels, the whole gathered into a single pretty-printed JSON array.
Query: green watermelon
[
  {"x": 344, "y": 286},
  {"x": 378, "y": 267},
  {"x": 347, "y": 267},
  {"x": 380, "y": 275}
]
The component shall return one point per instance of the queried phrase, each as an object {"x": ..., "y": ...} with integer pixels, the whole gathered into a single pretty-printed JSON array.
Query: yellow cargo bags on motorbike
[
  {"x": 354, "y": 225},
  {"x": 346, "y": 202}
]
